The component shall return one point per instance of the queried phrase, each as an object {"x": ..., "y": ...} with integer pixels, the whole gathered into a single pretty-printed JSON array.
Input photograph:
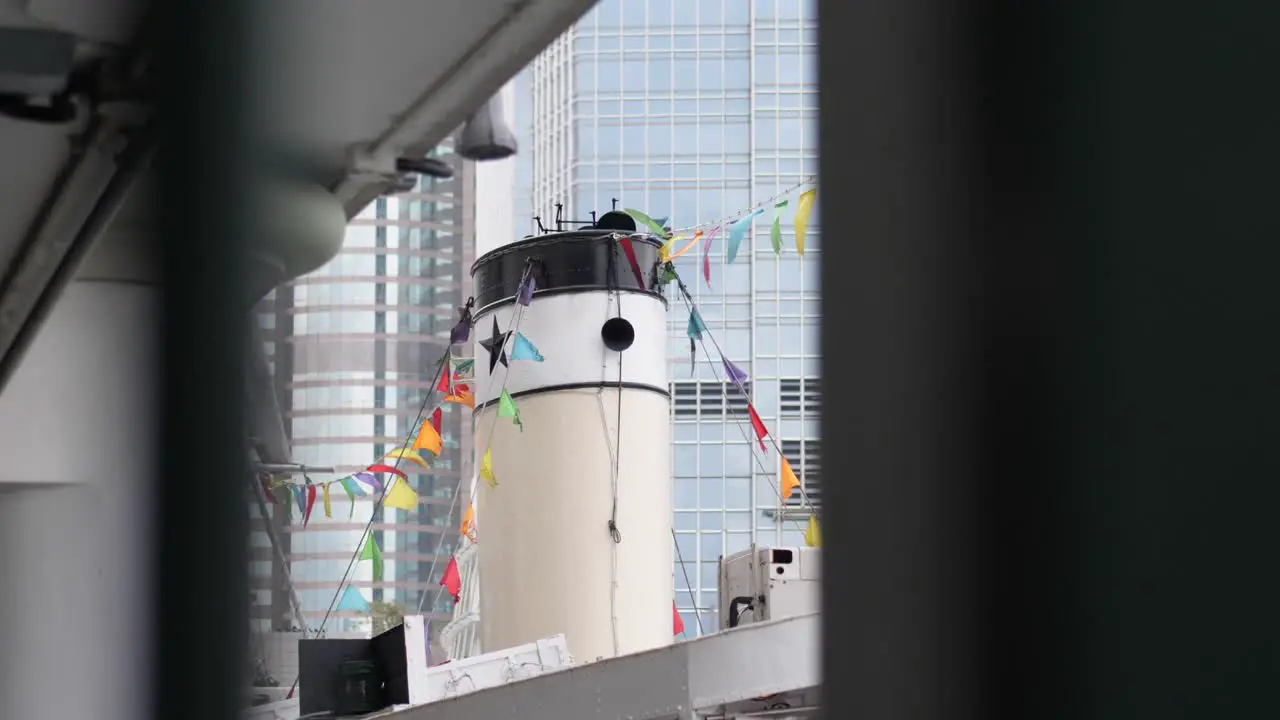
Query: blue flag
[
  {"x": 300, "y": 496},
  {"x": 354, "y": 601},
  {"x": 524, "y": 350},
  {"x": 738, "y": 232},
  {"x": 696, "y": 326}
]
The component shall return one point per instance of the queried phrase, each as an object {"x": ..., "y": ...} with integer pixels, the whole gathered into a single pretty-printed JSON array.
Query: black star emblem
[{"x": 496, "y": 345}]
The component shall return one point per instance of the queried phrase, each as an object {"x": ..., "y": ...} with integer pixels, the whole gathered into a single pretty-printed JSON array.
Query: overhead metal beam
[
  {"x": 116, "y": 153},
  {"x": 444, "y": 106}
]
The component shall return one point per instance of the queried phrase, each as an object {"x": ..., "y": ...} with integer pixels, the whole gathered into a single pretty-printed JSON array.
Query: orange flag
[
  {"x": 789, "y": 480},
  {"x": 462, "y": 395},
  {"x": 696, "y": 237},
  {"x": 469, "y": 523},
  {"x": 429, "y": 439}
]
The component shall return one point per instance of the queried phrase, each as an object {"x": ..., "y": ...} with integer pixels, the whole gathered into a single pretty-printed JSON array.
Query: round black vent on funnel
[{"x": 618, "y": 334}]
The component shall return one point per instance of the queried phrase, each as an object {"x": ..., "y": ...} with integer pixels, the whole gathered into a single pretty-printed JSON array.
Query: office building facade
[
  {"x": 354, "y": 348},
  {"x": 697, "y": 111}
]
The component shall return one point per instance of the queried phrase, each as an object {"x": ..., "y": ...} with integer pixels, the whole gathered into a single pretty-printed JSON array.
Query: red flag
[
  {"x": 678, "y": 622},
  {"x": 437, "y": 418},
  {"x": 443, "y": 385},
  {"x": 311, "y": 502},
  {"x": 706, "y": 256},
  {"x": 387, "y": 469},
  {"x": 762, "y": 432},
  {"x": 452, "y": 581},
  {"x": 630, "y": 252}
]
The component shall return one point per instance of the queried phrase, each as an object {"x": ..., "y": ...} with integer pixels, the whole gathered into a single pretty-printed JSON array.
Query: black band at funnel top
[{"x": 576, "y": 261}]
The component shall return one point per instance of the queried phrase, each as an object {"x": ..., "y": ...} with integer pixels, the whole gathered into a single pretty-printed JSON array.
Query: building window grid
[
  {"x": 582, "y": 177},
  {"x": 317, "y": 537}
]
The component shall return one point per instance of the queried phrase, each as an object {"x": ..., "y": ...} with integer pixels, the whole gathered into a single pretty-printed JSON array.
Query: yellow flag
[
  {"x": 664, "y": 253},
  {"x": 789, "y": 480},
  {"x": 813, "y": 533},
  {"x": 410, "y": 455},
  {"x": 469, "y": 522},
  {"x": 328, "y": 509},
  {"x": 804, "y": 207},
  {"x": 428, "y": 439},
  {"x": 486, "y": 469},
  {"x": 401, "y": 496}
]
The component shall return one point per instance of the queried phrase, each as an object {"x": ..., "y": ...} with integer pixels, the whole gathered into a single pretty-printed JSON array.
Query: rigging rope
[
  {"x": 768, "y": 476},
  {"x": 612, "y": 310}
]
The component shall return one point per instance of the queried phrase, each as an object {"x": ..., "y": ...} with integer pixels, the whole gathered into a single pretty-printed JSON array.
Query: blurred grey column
[
  {"x": 1049, "y": 363},
  {"x": 210, "y": 211},
  {"x": 79, "y": 437}
]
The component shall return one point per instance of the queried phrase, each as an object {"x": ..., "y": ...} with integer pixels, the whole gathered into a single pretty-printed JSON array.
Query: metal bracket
[{"x": 364, "y": 165}]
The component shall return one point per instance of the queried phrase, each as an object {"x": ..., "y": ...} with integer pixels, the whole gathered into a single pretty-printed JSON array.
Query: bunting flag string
[
  {"x": 456, "y": 381},
  {"x": 790, "y": 483},
  {"x": 522, "y": 350},
  {"x": 752, "y": 211},
  {"x": 453, "y": 372},
  {"x": 737, "y": 226}
]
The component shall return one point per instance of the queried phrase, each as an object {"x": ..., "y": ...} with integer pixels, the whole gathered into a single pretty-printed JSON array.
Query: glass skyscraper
[
  {"x": 696, "y": 111},
  {"x": 354, "y": 347}
]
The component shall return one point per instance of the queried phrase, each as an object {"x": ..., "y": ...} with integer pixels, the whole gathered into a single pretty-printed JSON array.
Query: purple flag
[
  {"x": 524, "y": 295},
  {"x": 735, "y": 373},
  {"x": 460, "y": 332},
  {"x": 369, "y": 478}
]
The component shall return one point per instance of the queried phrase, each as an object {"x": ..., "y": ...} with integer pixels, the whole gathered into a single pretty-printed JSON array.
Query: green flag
[
  {"x": 648, "y": 222},
  {"x": 507, "y": 408},
  {"x": 775, "y": 235},
  {"x": 347, "y": 484},
  {"x": 372, "y": 552}
]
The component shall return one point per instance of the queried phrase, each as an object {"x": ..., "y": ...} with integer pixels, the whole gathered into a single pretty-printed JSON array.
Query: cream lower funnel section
[{"x": 547, "y": 559}]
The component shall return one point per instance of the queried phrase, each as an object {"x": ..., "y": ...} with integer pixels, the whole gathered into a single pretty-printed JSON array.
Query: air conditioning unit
[{"x": 762, "y": 583}]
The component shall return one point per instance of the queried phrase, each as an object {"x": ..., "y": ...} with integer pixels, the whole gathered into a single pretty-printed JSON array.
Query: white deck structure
[{"x": 769, "y": 669}]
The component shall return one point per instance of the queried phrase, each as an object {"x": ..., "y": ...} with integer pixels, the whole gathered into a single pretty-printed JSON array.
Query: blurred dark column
[
  {"x": 1050, "y": 385},
  {"x": 207, "y": 213}
]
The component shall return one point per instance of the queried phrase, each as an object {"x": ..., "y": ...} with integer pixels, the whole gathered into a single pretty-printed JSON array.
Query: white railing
[{"x": 461, "y": 637}]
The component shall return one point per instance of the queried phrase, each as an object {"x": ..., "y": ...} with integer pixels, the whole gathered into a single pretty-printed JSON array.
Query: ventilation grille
[
  {"x": 708, "y": 399},
  {"x": 805, "y": 457},
  {"x": 797, "y": 395}
]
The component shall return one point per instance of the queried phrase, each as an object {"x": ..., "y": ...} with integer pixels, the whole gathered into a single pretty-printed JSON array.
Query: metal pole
[{"x": 290, "y": 468}]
